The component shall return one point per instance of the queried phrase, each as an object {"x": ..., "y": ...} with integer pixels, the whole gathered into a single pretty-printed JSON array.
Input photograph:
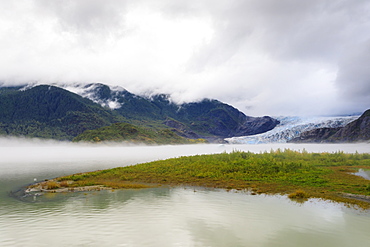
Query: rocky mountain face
[
  {"x": 63, "y": 112},
  {"x": 356, "y": 131}
]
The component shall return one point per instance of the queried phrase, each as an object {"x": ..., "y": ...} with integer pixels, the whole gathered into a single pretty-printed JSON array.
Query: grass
[
  {"x": 51, "y": 185},
  {"x": 297, "y": 174},
  {"x": 298, "y": 194}
]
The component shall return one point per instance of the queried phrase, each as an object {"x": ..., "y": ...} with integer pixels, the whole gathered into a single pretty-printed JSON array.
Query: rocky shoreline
[
  {"x": 356, "y": 197},
  {"x": 39, "y": 189}
]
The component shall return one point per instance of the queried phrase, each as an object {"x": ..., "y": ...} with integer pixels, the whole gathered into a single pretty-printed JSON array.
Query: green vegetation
[
  {"x": 300, "y": 174},
  {"x": 121, "y": 132}
]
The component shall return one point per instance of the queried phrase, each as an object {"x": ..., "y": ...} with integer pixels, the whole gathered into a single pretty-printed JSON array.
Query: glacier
[{"x": 291, "y": 127}]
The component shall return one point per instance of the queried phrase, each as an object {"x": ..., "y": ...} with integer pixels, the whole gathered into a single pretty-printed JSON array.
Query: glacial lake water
[
  {"x": 365, "y": 173},
  {"x": 167, "y": 216}
]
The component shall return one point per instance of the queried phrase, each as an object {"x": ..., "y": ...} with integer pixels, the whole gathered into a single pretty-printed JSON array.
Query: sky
[{"x": 264, "y": 57}]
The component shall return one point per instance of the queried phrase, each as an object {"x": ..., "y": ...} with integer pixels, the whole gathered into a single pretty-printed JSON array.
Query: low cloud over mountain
[{"x": 263, "y": 57}]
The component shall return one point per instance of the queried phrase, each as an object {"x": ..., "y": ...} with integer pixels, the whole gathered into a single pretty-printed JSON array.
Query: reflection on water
[
  {"x": 162, "y": 216},
  {"x": 181, "y": 217},
  {"x": 365, "y": 173}
]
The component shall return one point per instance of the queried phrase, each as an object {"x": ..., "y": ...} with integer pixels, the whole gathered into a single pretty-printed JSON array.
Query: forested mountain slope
[{"x": 55, "y": 112}]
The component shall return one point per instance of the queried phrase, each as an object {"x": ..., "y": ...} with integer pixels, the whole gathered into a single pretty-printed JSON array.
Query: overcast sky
[{"x": 265, "y": 57}]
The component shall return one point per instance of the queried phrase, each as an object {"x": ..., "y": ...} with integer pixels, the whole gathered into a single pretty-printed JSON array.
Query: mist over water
[
  {"x": 161, "y": 216},
  {"x": 45, "y": 159},
  {"x": 16, "y": 150}
]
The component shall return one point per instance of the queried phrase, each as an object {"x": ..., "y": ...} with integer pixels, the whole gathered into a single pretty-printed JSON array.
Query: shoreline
[
  {"x": 39, "y": 189},
  {"x": 299, "y": 175},
  {"x": 363, "y": 198},
  {"x": 348, "y": 198}
]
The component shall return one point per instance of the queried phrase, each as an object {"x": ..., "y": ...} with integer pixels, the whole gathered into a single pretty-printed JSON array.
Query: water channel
[{"x": 167, "y": 216}]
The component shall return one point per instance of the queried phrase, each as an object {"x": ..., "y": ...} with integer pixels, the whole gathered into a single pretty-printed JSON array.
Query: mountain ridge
[
  {"x": 49, "y": 111},
  {"x": 212, "y": 116},
  {"x": 355, "y": 131}
]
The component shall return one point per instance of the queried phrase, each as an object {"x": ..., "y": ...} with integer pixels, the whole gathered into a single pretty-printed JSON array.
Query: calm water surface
[
  {"x": 162, "y": 216},
  {"x": 365, "y": 173}
]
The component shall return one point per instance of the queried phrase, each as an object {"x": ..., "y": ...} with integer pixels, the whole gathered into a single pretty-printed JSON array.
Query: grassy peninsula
[{"x": 298, "y": 174}]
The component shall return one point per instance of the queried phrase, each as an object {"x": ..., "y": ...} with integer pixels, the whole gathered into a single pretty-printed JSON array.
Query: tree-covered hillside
[
  {"x": 124, "y": 132},
  {"x": 205, "y": 118},
  {"x": 50, "y": 112},
  {"x": 46, "y": 111}
]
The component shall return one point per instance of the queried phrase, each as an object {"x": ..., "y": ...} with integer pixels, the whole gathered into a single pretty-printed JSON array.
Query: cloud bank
[{"x": 264, "y": 57}]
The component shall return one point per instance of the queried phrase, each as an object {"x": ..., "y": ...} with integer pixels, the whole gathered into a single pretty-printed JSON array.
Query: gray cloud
[
  {"x": 291, "y": 33},
  {"x": 306, "y": 30},
  {"x": 265, "y": 57},
  {"x": 354, "y": 74},
  {"x": 85, "y": 15}
]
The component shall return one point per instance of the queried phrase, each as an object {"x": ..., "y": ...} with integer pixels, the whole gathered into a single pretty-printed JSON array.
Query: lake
[{"x": 166, "y": 216}]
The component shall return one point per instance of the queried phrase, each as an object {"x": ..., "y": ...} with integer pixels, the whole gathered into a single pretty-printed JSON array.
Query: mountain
[
  {"x": 207, "y": 118},
  {"x": 355, "y": 131},
  {"x": 291, "y": 128},
  {"x": 49, "y": 112},
  {"x": 64, "y": 112}
]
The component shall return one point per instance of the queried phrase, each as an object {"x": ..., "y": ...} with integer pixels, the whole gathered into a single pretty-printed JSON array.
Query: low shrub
[
  {"x": 51, "y": 185},
  {"x": 298, "y": 194},
  {"x": 64, "y": 183}
]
